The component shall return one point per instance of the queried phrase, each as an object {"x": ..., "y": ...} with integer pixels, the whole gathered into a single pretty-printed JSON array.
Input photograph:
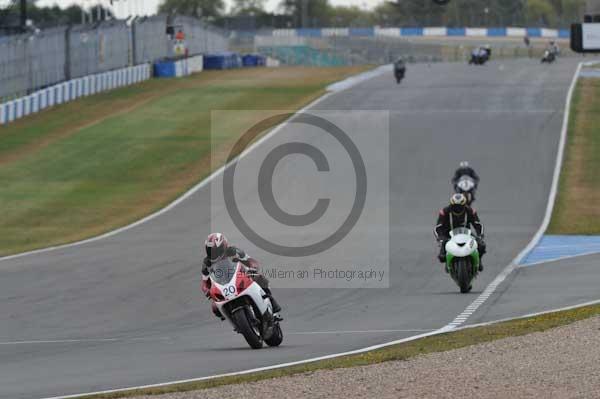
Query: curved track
[{"x": 126, "y": 310}]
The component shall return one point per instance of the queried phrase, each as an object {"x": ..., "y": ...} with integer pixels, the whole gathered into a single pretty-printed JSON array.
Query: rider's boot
[
  {"x": 276, "y": 307},
  {"x": 480, "y": 266},
  {"x": 442, "y": 258}
]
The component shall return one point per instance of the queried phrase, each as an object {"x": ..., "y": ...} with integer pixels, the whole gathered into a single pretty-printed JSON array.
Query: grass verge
[
  {"x": 437, "y": 343},
  {"x": 577, "y": 209},
  {"x": 87, "y": 167}
]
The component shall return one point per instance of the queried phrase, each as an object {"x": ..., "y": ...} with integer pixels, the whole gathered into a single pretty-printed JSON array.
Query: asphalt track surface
[
  {"x": 551, "y": 285},
  {"x": 127, "y": 311}
]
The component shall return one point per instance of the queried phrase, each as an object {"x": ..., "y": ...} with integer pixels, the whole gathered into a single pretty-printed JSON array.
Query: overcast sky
[{"x": 148, "y": 7}]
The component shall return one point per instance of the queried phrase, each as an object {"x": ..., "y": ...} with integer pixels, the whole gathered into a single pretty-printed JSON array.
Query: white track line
[
  {"x": 144, "y": 339},
  {"x": 356, "y": 332},
  {"x": 475, "y": 111},
  {"x": 489, "y": 290},
  {"x": 277, "y": 366},
  {"x": 82, "y": 341},
  {"x": 358, "y": 351},
  {"x": 487, "y": 323},
  {"x": 360, "y": 78}
]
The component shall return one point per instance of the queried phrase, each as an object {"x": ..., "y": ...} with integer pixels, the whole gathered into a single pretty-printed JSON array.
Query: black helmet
[{"x": 458, "y": 203}]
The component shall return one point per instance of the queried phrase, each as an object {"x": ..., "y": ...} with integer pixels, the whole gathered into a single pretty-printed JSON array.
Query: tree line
[
  {"x": 43, "y": 17},
  {"x": 320, "y": 13},
  {"x": 251, "y": 14}
]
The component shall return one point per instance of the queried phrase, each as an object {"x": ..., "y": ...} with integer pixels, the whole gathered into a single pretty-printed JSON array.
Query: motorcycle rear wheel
[
  {"x": 240, "y": 318},
  {"x": 277, "y": 336}
]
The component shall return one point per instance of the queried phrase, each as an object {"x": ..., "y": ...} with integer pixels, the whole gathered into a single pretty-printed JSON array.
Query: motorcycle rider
[
  {"x": 488, "y": 51},
  {"x": 474, "y": 56},
  {"x": 553, "y": 48},
  {"x": 481, "y": 54},
  {"x": 464, "y": 169},
  {"x": 458, "y": 214},
  {"x": 399, "y": 69},
  {"x": 551, "y": 52},
  {"x": 217, "y": 247}
]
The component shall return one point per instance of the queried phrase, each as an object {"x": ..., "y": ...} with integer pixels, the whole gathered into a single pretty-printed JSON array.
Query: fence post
[
  {"x": 68, "y": 53},
  {"x": 133, "y": 42}
]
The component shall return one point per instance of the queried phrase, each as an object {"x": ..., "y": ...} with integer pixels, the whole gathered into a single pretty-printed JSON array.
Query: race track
[{"x": 127, "y": 311}]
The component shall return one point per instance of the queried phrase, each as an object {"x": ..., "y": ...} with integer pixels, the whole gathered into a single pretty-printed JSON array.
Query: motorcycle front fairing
[
  {"x": 466, "y": 184},
  {"x": 230, "y": 285},
  {"x": 462, "y": 244}
]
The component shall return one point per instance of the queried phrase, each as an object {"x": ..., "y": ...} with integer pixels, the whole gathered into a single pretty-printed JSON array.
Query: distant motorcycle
[
  {"x": 462, "y": 258},
  {"x": 549, "y": 57},
  {"x": 480, "y": 56},
  {"x": 399, "y": 70},
  {"x": 466, "y": 185},
  {"x": 399, "y": 75},
  {"x": 245, "y": 304}
]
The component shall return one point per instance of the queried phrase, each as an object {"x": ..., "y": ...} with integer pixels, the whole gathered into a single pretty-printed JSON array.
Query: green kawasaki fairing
[{"x": 474, "y": 257}]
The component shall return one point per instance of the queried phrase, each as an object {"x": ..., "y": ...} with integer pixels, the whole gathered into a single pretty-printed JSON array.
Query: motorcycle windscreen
[
  {"x": 223, "y": 271},
  {"x": 460, "y": 230}
]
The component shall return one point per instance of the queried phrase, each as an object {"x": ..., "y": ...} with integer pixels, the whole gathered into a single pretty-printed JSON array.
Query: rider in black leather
[
  {"x": 399, "y": 69},
  {"x": 465, "y": 169},
  {"x": 458, "y": 214}
]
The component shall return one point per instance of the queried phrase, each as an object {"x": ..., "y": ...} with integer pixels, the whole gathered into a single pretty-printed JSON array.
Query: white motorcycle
[
  {"x": 462, "y": 258},
  {"x": 548, "y": 57},
  {"x": 244, "y": 303}
]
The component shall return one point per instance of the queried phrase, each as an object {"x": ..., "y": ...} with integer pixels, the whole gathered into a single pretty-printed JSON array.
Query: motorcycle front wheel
[
  {"x": 244, "y": 327},
  {"x": 463, "y": 275}
]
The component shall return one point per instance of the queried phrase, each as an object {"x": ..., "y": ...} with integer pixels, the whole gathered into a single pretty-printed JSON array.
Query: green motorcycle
[{"x": 462, "y": 258}]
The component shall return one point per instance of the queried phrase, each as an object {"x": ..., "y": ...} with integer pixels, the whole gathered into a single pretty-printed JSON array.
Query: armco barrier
[
  {"x": 534, "y": 32},
  {"x": 411, "y": 31},
  {"x": 421, "y": 31},
  {"x": 435, "y": 31},
  {"x": 178, "y": 68},
  {"x": 497, "y": 32},
  {"x": 71, "y": 90},
  {"x": 272, "y": 62},
  {"x": 253, "y": 60},
  {"x": 225, "y": 60},
  {"x": 164, "y": 69},
  {"x": 362, "y": 32},
  {"x": 196, "y": 64},
  {"x": 457, "y": 32}
]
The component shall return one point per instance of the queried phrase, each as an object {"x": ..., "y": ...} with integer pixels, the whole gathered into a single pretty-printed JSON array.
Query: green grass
[
  {"x": 89, "y": 166},
  {"x": 577, "y": 208},
  {"x": 404, "y": 351}
]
